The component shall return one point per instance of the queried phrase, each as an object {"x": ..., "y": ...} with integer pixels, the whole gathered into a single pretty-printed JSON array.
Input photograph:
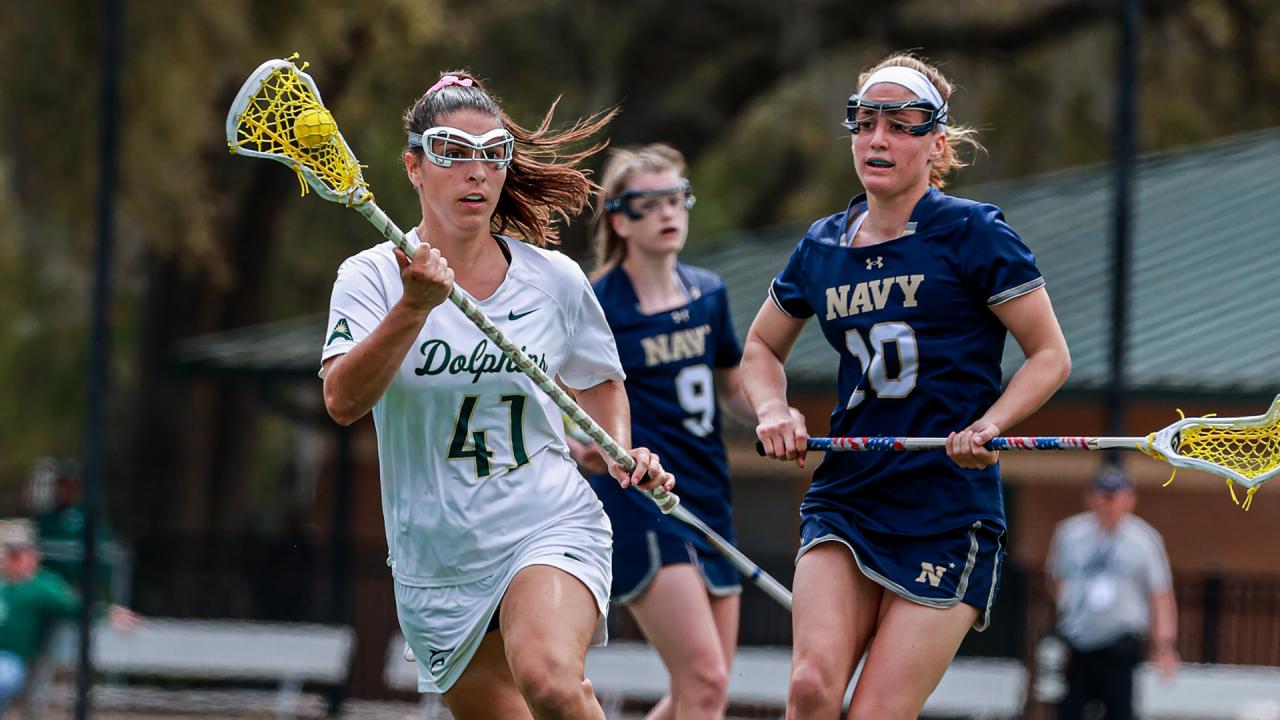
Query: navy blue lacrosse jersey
[
  {"x": 920, "y": 354},
  {"x": 670, "y": 358}
]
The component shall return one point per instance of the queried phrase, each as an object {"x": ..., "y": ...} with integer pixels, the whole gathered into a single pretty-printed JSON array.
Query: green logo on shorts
[{"x": 436, "y": 661}]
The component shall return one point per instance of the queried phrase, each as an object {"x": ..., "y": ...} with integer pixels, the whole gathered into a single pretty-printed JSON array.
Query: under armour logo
[
  {"x": 876, "y": 262},
  {"x": 680, "y": 316},
  {"x": 932, "y": 573}
]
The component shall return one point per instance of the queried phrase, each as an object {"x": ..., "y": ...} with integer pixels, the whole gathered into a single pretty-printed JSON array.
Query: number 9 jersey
[
  {"x": 920, "y": 354},
  {"x": 670, "y": 358}
]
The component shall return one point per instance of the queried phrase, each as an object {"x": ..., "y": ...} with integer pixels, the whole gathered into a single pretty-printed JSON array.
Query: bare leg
[
  {"x": 486, "y": 688},
  {"x": 547, "y": 620},
  {"x": 833, "y": 617},
  {"x": 913, "y": 646},
  {"x": 681, "y": 621}
]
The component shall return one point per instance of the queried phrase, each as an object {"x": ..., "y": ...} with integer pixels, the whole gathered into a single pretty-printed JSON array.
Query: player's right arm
[
  {"x": 356, "y": 380},
  {"x": 607, "y": 404},
  {"x": 781, "y": 428}
]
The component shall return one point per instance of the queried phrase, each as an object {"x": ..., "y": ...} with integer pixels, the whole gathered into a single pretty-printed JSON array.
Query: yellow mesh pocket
[
  {"x": 284, "y": 119},
  {"x": 1249, "y": 451},
  {"x": 1243, "y": 450}
]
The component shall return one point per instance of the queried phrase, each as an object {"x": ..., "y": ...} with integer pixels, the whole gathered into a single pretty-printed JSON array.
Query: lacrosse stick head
[
  {"x": 1245, "y": 450},
  {"x": 278, "y": 115}
]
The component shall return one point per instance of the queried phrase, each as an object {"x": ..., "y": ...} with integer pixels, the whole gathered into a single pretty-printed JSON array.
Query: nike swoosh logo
[{"x": 513, "y": 315}]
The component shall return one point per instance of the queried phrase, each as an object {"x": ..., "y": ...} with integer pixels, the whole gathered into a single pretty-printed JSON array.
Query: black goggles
[
  {"x": 635, "y": 204},
  {"x": 860, "y": 111}
]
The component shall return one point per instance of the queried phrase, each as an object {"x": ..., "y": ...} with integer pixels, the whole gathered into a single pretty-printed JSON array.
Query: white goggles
[{"x": 446, "y": 145}]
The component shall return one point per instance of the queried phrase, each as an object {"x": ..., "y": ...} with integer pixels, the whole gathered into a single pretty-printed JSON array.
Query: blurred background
[{"x": 225, "y": 492}]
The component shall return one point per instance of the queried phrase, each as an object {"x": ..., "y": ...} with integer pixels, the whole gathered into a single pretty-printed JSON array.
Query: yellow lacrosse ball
[{"x": 314, "y": 127}]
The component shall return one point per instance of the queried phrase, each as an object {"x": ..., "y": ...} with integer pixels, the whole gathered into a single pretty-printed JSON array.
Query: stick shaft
[
  {"x": 744, "y": 565},
  {"x": 667, "y": 502},
  {"x": 910, "y": 444}
]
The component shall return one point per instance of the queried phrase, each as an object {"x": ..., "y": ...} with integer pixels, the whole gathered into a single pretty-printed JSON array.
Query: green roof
[{"x": 1205, "y": 314}]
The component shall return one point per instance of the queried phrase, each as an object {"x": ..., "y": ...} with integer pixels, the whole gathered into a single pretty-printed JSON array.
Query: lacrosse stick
[
  {"x": 1244, "y": 450},
  {"x": 278, "y": 115}
]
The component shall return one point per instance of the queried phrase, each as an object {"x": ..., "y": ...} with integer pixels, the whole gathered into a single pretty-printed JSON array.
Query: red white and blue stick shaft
[{"x": 907, "y": 444}]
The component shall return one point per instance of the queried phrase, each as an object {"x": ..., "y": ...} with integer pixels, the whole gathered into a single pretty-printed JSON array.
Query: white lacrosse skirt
[{"x": 444, "y": 625}]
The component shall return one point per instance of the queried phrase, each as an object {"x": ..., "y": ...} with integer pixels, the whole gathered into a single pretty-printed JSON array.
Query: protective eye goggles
[
  {"x": 861, "y": 114},
  {"x": 635, "y": 204},
  {"x": 445, "y": 145}
]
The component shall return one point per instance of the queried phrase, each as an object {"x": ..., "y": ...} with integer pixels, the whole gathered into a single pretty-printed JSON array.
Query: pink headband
[{"x": 448, "y": 80}]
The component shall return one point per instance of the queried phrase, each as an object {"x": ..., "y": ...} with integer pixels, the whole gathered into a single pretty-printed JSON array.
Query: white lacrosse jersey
[{"x": 472, "y": 454}]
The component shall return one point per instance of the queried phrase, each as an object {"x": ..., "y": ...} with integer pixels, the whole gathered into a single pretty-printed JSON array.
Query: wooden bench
[
  {"x": 401, "y": 675},
  {"x": 972, "y": 687},
  {"x": 1231, "y": 692},
  {"x": 288, "y": 655}
]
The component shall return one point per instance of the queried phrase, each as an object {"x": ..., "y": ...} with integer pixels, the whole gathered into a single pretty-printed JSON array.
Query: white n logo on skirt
[{"x": 931, "y": 573}]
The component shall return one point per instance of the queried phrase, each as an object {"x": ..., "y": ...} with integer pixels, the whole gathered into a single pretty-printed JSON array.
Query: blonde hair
[
  {"x": 623, "y": 165},
  {"x": 544, "y": 182},
  {"x": 956, "y": 135}
]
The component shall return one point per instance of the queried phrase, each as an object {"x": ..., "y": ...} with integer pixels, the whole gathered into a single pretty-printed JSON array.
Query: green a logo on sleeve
[{"x": 340, "y": 332}]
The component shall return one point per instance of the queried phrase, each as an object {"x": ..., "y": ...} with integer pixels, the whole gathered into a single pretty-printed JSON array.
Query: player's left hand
[
  {"x": 966, "y": 448},
  {"x": 647, "y": 473}
]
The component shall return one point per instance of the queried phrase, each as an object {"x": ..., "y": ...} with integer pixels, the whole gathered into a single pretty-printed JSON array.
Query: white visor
[{"x": 913, "y": 80}]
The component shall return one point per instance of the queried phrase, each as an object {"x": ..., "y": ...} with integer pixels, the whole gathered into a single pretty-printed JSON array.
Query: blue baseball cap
[{"x": 1112, "y": 478}]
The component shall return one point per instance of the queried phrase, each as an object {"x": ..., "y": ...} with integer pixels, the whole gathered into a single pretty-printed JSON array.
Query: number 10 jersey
[{"x": 920, "y": 352}]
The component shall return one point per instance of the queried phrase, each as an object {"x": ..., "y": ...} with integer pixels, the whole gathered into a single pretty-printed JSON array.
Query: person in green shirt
[
  {"x": 32, "y": 601},
  {"x": 61, "y": 533}
]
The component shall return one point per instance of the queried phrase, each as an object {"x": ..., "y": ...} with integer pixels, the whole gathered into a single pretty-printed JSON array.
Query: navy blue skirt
[
  {"x": 645, "y": 540},
  {"x": 961, "y": 565}
]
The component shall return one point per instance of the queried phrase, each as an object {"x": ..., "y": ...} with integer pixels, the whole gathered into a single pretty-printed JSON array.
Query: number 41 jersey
[
  {"x": 669, "y": 358},
  {"x": 471, "y": 453},
  {"x": 920, "y": 352}
]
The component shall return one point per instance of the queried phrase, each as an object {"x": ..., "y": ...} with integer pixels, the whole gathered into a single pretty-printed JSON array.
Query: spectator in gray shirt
[{"x": 1109, "y": 575}]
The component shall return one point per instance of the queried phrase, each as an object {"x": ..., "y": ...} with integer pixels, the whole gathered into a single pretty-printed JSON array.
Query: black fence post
[
  {"x": 340, "y": 549},
  {"x": 1124, "y": 146},
  {"x": 1211, "y": 609},
  {"x": 99, "y": 349}
]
